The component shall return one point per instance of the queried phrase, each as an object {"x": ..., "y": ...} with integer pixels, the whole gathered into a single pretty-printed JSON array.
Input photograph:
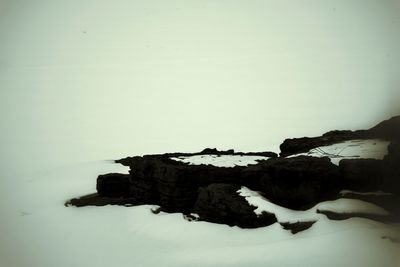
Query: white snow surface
[
  {"x": 342, "y": 205},
  {"x": 36, "y": 224},
  {"x": 221, "y": 160},
  {"x": 352, "y": 149}
]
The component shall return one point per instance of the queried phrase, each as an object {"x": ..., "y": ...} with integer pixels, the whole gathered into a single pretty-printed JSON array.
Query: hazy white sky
[{"x": 83, "y": 80}]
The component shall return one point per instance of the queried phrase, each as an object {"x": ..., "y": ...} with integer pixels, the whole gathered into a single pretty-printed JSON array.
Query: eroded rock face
[
  {"x": 362, "y": 174},
  {"x": 113, "y": 185},
  {"x": 297, "y": 182},
  {"x": 292, "y": 146},
  {"x": 173, "y": 184},
  {"x": 297, "y": 227},
  {"x": 97, "y": 200},
  {"x": 129, "y": 161},
  {"x": 388, "y": 201},
  {"x": 392, "y": 159},
  {"x": 338, "y": 216},
  {"x": 221, "y": 203},
  {"x": 387, "y": 130},
  {"x": 392, "y": 168}
]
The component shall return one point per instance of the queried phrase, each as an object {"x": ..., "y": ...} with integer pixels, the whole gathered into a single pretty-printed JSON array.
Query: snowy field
[{"x": 36, "y": 223}]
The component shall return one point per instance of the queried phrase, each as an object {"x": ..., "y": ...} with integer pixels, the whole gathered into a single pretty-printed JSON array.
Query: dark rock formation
[
  {"x": 97, "y": 200},
  {"x": 392, "y": 168},
  {"x": 113, "y": 185},
  {"x": 393, "y": 156},
  {"x": 172, "y": 184},
  {"x": 297, "y": 182},
  {"x": 389, "y": 202},
  {"x": 220, "y": 203},
  {"x": 297, "y": 227},
  {"x": 129, "y": 161},
  {"x": 339, "y": 216},
  {"x": 362, "y": 174},
  {"x": 292, "y": 146},
  {"x": 157, "y": 179},
  {"x": 388, "y": 130}
]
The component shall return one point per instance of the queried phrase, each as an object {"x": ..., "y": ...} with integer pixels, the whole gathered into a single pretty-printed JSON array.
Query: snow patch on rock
[
  {"x": 221, "y": 160},
  {"x": 352, "y": 149},
  {"x": 346, "y": 205},
  {"x": 342, "y": 205}
]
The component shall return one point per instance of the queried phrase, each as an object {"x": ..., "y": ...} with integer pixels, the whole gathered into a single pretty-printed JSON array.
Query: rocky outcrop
[
  {"x": 292, "y": 146},
  {"x": 392, "y": 168},
  {"x": 297, "y": 227},
  {"x": 129, "y": 161},
  {"x": 297, "y": 182},
  {"x": 97, "y": 200},
  {"x": 387, "y": 201},
  {"x": 292, "y": 182},
  {"x": 177, "y": 187},
  {"x": 388, "y": 130},
  {"x": 220, "y": 203},
  {"x": 172, "y": 184},
  {"x": 393, "y": 156},
  {"x": 113, "y": 185},
  {"x": 157, "y": 179},
  {"x": 362, "y": 174},
  {"x": 339, "y": 216}
]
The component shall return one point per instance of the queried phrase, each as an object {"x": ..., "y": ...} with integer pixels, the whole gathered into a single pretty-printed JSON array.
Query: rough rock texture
[
  {"x": 113, "y": 185},
  {"x": 371, "y": 174},
  {"x": 156, "y": 179},
  {"x": 97, "y": 200},
  {"x": 292, "y": 146},
  {"x": 392, "y": 168},
  {"x": 129, "y": 161},
  {"x": 221, "y": 203},
  {"x": 173, "y": 185},
  {"x": 389, "y": 202},
  {"x": 393, "y": 156},
  {"x": 362, "y": 174},
  {"x": 297, "y": 182},
  {"x": 388, "y": 130},
  {"x": 297, "y": 227},
  {"x": 338, "y": 216}
]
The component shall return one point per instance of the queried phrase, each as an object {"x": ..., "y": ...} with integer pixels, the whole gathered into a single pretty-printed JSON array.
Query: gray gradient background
[{"x": 88, "y": 80}]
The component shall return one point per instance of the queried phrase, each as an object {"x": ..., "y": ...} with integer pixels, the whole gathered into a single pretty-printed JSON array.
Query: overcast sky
[{"x": 89, "y": 79}]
